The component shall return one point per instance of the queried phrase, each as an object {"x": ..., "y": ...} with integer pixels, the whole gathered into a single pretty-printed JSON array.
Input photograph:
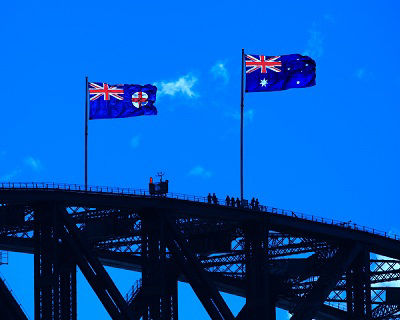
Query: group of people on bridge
[{"x": 236, "y": 203}]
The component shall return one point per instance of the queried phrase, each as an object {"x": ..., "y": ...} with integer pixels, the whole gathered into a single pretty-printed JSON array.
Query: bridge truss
[{"x": 315, "y": 268}]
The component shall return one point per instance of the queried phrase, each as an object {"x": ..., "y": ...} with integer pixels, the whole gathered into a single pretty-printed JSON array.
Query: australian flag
[
  {"x": 274, "y": 73},
  {"x": 121, "y": 100}
]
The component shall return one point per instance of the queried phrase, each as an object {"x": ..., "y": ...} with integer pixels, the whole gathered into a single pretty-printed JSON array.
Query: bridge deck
[
  {"x": 381, "y": 242},
  {"x": 282, "y": 222}
]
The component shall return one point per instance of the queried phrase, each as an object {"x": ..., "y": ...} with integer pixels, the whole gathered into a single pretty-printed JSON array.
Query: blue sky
[{"x": 330, "y": 150}]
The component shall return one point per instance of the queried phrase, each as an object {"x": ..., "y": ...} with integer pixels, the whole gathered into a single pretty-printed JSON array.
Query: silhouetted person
[
  {"x": 256, "y": 204},
  {"x": 237, "y": 202},
  {"x": 348, "y": 223},
  {"x": 214, "y": 198},
  {"x": 227, "y": 200},
  {"x": 252, "y": 203},
  {"x": 232, "y": 201},
  {"x": 209, "y": 198}
]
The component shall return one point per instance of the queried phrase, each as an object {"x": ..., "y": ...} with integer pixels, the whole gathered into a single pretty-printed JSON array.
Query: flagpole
[
  {"x": 86, "y": 135},
  {"x": 241, "y": 129}
]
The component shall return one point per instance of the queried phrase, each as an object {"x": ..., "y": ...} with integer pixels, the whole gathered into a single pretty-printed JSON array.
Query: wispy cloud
[
  {"x": 199, "y": 171},
  {"x": 314, "y": 47},
  {"x": 184, "y": 86},
  {"x": 329, "y": 17},
  {"x": 33, "y": 163},
  {"x": 363, "y": 73},
  {"x": 28, "y": 162},
  {"x": 219, "y": 71},
  {"x": 135, "y": 141},
  {"x": 10, "y": 175},
  {"x": 248, "y": 115},
  {"x": 360, "y": 73}
]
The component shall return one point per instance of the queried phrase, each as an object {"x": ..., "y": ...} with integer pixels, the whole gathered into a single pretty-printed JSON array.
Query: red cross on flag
[{"x": 139, "y": 99}]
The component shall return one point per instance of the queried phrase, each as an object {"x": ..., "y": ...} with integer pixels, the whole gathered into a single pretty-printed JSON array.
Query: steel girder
[
  {"x": 159, "y": 282},
  {"x": 329, "y": 276},
  {"x": 10, "y": 308},
  {"x": 358, "y": 288},
  {"x": 260, "y": 296},
  {"x": 54, "y": 269},
  {"x": 283, "y": 245},
  {"x": 198, "y": 279},
  {"x": 94, "y": 271},
  {"x": 386, "y": 312}
]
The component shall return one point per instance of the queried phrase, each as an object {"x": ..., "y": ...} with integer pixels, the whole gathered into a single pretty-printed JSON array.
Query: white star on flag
[{"x": 264, "y": 82}]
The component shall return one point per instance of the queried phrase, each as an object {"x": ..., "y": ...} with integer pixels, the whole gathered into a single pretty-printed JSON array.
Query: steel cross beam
[
  {"x": 334, "y": 268},
  {"x": 384, "y": 270},
  {"x": 9, "y": 307},
  {"x": 202, "y": 232},
  {"x": 382, "y": 312},
  {"x": 197, "y": 277},
  {"x": 94, "y": 272}
]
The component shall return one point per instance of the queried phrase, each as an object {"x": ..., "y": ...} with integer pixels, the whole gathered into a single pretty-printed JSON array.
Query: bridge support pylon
[
  {"x": 260, "y": 302},
  {"x": 358, "y": 288},
  {"x": 159, "y": 280},
  {"x": 54, "y": 268}
]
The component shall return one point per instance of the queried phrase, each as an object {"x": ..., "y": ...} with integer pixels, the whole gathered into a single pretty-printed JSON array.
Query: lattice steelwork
[{"x": 315, "y": 268}]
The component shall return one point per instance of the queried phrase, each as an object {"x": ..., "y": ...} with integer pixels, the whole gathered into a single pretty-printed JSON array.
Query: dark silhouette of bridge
[{"x": 316, "y": 268}]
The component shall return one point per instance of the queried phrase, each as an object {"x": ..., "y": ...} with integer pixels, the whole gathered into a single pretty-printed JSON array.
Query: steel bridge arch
[{"x": 312, "y": 267}]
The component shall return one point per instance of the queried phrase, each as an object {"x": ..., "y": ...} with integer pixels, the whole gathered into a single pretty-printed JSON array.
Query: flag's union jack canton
[
  {"x": 274, "y": 73},
  {"x": 121, "y": 100},
  {"x": 105, "y": 91}
]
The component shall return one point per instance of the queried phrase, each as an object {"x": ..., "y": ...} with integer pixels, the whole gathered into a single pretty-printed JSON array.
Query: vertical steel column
[
  {"x": 169, "y": 301},
  {"x": 67, "y": 282},
  {"x": 36, "y": 266},
  {"x": 367, "y": 281},
  {"x": 358, "y": 289},
  {"x": 151, "y": 266},
  {"x": 260, "y": 302},
  {"x": 358, "y": 286},
  {"x": 173, "y": 293},
  {"x": 54, "y": 273},
  {"x": 45, "y": 264},
  {"x": 349, "y": 294},
  {"x": 159, "y": 283}
]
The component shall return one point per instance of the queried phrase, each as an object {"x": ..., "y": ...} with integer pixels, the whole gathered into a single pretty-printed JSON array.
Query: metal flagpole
[
  {"x": 241, "y": 130},
  {"x": 86, "y": 136}
]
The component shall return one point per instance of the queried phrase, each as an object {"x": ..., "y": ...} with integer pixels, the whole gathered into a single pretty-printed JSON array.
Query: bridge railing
[
  {"x": 133, "y": 291},
  {"x": 3, "y": 257},
  {"x": 349, "y": 224},
  {"x": 181, "y": 196},
  {"x": 71, "y": 187}
]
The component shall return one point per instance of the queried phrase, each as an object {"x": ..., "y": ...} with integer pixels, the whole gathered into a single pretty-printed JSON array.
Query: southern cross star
[{"x": 264, "y": 82}]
